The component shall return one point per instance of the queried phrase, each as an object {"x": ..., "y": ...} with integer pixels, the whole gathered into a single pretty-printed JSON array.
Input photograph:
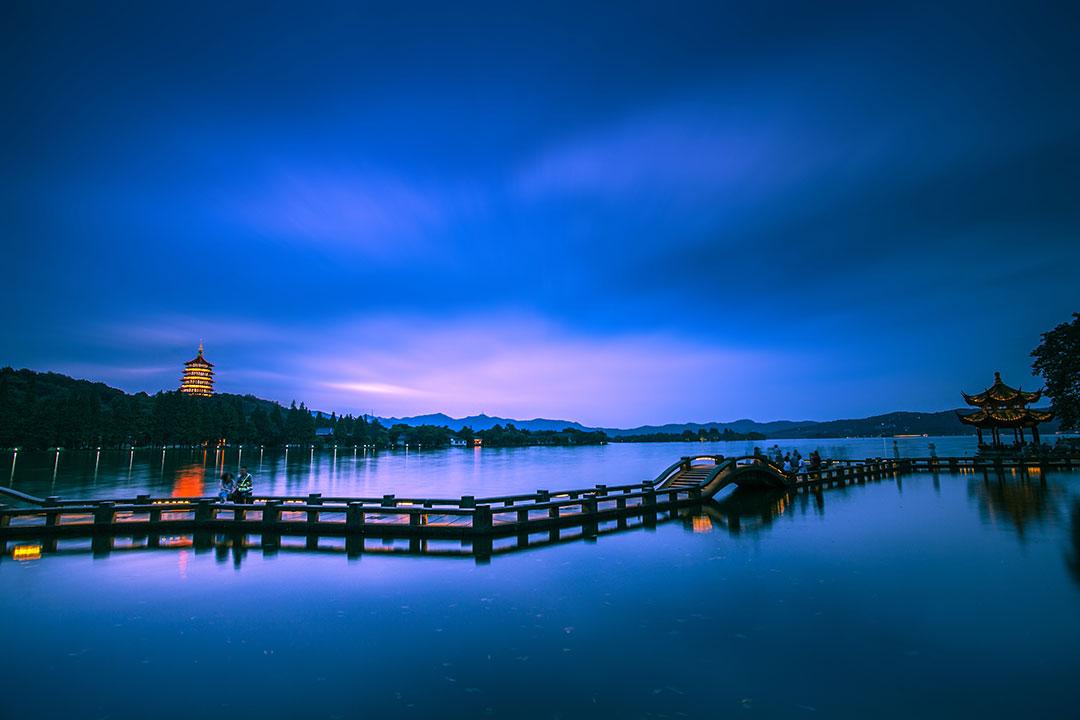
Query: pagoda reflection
[
  {"x": 1018, "y": 500},
  {"x": 1072, "y": 558}
]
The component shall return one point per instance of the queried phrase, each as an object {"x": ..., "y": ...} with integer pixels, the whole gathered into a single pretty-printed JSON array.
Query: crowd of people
[
  {"x": 236, "y": 490},
  {"x": 793, "y": 461}
]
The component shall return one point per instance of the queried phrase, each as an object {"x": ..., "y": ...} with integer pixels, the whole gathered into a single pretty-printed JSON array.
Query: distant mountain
[
  {"x": 896, "y": 423},
  {"x": 737, "y": 426},
  {"x": 484, "y": 422}
]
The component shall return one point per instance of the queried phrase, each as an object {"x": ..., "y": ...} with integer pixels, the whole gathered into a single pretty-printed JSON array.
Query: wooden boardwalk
[{"x": 476, "y": 520}]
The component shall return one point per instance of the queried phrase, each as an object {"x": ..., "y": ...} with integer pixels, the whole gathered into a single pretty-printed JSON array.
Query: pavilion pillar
[
  {"x": 978, "y": 431},
  {"x": 1035, "y": 434},
  {"x": 1021, "y": 436}
]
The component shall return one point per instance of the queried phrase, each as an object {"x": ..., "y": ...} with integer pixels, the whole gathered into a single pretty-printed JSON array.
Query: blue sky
[{"x": 618, "y": 215}]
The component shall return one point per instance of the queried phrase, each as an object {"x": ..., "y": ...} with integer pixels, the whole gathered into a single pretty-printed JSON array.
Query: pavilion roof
[
  {"x": 1001, "y": 394},
  {"x": 1006, "y": 417}
]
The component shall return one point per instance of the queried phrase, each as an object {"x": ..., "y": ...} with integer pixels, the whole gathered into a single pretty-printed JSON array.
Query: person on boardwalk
[
  {"x": 226, "y": 488},
  {"x": 244, "y": 486},
  {"x": 787, "y": 464}
]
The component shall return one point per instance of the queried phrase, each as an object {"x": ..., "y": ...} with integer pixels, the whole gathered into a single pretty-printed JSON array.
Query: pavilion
[{"x": 1001, "y": 407}]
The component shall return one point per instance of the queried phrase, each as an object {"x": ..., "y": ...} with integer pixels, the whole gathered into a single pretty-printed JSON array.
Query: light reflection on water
[
  {"x": 440, "y": 473},
  {"x": 949, "y": 595}
]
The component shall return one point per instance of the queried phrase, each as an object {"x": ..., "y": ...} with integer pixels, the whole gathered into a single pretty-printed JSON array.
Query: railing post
[
  {"x": 52, "y": 518},
  {"x": 271, "y": 512},
  {"x": 468, "y": 501},
  {"x": 588, "y": 509},
  {"x": 104, "y": 513},
  {"x": 5, "y": 519},
  {"x": 543, "y": 496},
  {"x": 314, "y": 499},
  {"x": 202, "y": 512},
  {"x": 481, "y": 519},
  {"x": 354, "y": 516},
  {"x": 523, "y": 515},
  {"x": 601, "y": 490},
  {"x": 389, "y": 500}
]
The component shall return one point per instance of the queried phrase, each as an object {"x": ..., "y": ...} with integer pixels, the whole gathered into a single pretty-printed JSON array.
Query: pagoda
[
  {"x": 1004, "y": 408},
  {"x": 198, "y": 376}
]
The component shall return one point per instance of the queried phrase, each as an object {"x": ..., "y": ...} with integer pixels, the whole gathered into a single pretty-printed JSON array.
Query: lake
[
  {"x": 438, "y": 473},
  {"x": 937, "y": 595}
]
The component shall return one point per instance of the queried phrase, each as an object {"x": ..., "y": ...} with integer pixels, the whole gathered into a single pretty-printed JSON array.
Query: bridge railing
[{"x": 283, "y": 517}]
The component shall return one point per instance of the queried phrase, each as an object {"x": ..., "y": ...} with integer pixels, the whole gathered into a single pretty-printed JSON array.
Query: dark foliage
[
  {"x": 1057, "y": 359},
  {"x": 40, "y": 410}
]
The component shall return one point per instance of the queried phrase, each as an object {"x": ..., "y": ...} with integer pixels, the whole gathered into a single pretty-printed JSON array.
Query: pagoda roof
[
  {"x": 199, "y": 359},
  {"x": 1001, "y": 394},
  {"x": 1006, "y": 417}
]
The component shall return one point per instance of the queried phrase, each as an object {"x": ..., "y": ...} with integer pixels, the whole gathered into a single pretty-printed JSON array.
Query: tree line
[{"x": 42, "y": 410}]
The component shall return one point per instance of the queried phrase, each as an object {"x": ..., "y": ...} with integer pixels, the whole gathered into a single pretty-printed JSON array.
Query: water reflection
[
  {"x": 190, "y": 482},
  {"x": 743, "y": 511},
  {"x": 1072, "y": 558},
  {"x": 1021, "y": 501},
  {"x": 443, "y": 473}
]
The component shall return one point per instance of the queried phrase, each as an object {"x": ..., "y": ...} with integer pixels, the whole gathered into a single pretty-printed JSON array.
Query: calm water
[
  {"x": 942, "y": 596},
  {"x": 442, "y": 473}
]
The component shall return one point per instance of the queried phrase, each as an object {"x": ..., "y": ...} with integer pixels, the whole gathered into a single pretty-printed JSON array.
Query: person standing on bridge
[{"x": 244, "y": 486}]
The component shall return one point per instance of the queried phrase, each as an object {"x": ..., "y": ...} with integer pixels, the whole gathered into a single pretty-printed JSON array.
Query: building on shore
[
  {"x": 198, "y": 378},
  {"x": 1004, "y": 408}
]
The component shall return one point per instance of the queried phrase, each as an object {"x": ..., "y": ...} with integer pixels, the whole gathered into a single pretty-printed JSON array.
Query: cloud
[
  {"x": 368, "y": 211},
  {"x": 506, "y": 363},
  {"x": 373, "y": 388},
  {"x": 520, "y": 365}
]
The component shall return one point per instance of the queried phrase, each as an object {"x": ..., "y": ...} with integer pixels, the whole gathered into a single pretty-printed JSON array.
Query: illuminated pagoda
[
  {"x": 198, "y": 376},
  {"x": 1004, "y": 408}
]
